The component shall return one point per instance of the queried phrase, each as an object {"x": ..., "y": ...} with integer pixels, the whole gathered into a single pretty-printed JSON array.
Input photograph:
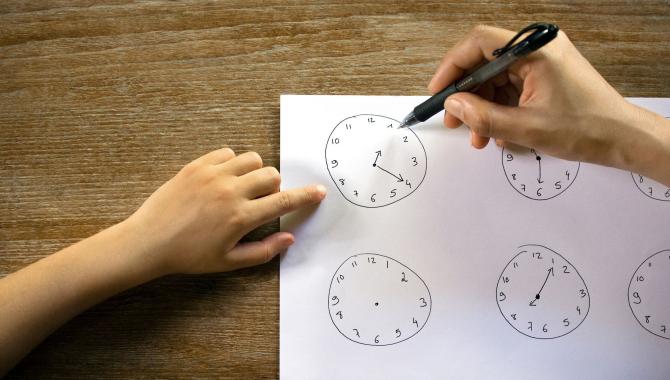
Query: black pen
[{"x": 505, "y": 56}]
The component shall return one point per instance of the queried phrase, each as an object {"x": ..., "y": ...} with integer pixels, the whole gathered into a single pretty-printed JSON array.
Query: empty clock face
[
  {"x": 541, "y": 294},
  {"x": 375, "y": 300},
  {"x": 372, "y": 162},
  {"x": 651, "y": 188},
  {"x": 536, "y": 175},
  {"x": 649, "y": 294}
]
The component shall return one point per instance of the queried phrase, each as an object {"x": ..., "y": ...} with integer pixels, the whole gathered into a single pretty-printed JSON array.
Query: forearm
[{"x": 38, "y": 299}]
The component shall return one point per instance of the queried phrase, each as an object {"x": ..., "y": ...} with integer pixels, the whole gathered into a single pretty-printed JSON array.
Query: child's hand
[{"x": 192, "y": 224}]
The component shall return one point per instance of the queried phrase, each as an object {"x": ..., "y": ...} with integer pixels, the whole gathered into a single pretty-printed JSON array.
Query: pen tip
[{"x": 402, "y": 125}]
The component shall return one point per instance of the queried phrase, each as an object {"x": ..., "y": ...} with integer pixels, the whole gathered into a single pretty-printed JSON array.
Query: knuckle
[
  {"x": 479, "y": 30},
  {"x": 267, "y": 252},
  {"x": 255, "y": 159},
  {"x": 273, "y": 175},
  {"x": 284, "y": 201},
  {"x": 190, "y": 169},
  {"x": 479, "y": 122}
]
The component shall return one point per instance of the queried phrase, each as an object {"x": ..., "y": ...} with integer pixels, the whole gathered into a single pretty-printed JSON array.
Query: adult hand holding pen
[{"x": 554, "y": 101}]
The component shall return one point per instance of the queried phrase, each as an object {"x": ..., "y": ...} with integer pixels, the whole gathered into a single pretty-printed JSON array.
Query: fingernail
[
  {"x": 454, "y": 107},
  {"x": 321, "y": 191}
]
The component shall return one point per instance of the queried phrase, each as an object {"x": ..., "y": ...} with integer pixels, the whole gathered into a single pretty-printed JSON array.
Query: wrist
[
  {"x": 645, "y": 147},
  {"x": 141, "y": 254}
]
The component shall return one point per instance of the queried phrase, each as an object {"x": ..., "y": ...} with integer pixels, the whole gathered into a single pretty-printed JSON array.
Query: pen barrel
[
  {"x": 486, "y": 72},
  {"x": 434, "y": 104}
]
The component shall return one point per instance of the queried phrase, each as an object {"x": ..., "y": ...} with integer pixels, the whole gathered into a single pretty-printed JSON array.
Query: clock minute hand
[
  {"x": 398, "y": 177},
  {"x": 537, "y": 296},
  {"x": 539, "y": 166}
]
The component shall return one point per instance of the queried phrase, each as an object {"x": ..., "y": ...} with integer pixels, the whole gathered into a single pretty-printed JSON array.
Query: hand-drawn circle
[
  {"x": 372, "y": 162},
  {"x": 376, "y": 300},
  {"x": 519, "y": 299},
  {"x": 648, "y": 294},
  {"x": 652, "y": 189},
  {"x": 524, "y": 172}
]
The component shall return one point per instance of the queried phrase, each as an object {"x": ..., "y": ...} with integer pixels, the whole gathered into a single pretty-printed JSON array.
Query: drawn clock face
[
  {"x": 651, "y": 188},
  {"x": 537, "y": 176},
  {"x": 372, "y": 162},
  {"x": 375, "y": 300},
  {"x": 541, "y": 294},
  {"x": 649, "y": 294}
]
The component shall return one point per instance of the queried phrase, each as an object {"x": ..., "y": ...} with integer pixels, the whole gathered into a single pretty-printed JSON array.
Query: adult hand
[{"x": 555, "y": 101}]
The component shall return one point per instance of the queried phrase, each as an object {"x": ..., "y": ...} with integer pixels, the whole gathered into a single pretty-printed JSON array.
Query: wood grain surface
[{"x": 102, "y": 103}]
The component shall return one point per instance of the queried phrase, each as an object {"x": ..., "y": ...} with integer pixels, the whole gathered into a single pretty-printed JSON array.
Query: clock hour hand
[
  {"x": 374, "y": 164},
  {"x": 550, "y": 271}
]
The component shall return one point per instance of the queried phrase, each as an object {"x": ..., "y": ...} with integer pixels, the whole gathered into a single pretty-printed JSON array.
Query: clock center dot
[
  {"x": 376, "y": 303},
  {"x": 537, "y": 296},
  {"x": 538, "y": 158}
]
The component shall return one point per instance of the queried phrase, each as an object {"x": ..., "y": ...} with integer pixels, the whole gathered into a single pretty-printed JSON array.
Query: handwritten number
[
  {"x": 502, "y": 296},
  {"x": 357, "y": 334},
  {"x": 335, "y": 299},
  {"x": 415, "y": 163},
  {"x": 335, "y": 140},
  {"x": 334, "y": 163},
  {"x": 403, "y": 279},
  {"x": 423, "y": 302},
  {"x": 340, "y": 314},
  {"x": 637, "y": 298}
]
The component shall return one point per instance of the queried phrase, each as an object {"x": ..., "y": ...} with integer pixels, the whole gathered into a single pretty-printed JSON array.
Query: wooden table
[{"x": 100, "y": 104}]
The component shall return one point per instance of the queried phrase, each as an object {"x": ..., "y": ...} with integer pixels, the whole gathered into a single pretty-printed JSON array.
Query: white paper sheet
[{"x": 388, "y": 281}]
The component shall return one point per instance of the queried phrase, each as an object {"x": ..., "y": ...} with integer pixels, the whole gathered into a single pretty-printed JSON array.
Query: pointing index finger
[{"x": 275, "y": 205}]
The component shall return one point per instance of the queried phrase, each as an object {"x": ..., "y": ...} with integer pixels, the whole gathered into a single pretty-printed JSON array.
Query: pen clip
[{"x": 539, "y": 28}]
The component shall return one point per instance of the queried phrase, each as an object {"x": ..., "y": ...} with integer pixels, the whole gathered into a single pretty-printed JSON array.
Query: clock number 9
[
  {"x": 509, "y": 157},
  {"x": 638, "y": 299},
  {"x": 335, "y": 299},
  {"x": 334, "y": 163},
  {"x": 502, "y": 296}
]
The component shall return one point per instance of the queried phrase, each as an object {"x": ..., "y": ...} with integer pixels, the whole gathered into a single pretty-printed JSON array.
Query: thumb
[{"x": 486, "y": 119}]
